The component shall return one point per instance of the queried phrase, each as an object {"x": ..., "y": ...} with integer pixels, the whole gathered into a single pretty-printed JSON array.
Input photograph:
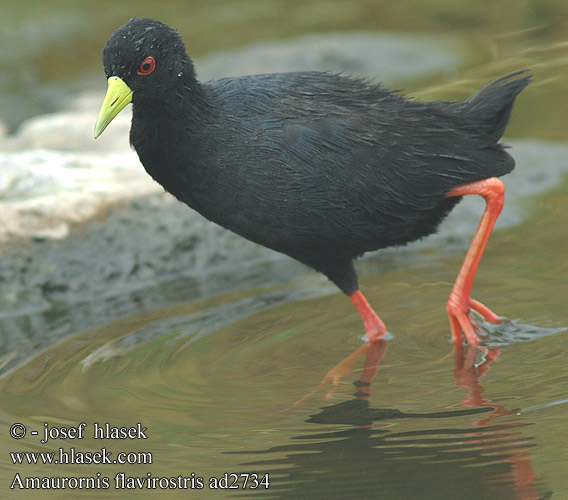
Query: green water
[{"x": 232, "y": 383}]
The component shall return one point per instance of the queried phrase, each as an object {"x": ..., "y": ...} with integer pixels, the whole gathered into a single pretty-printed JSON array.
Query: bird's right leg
[{"x": 460, "y": 303}]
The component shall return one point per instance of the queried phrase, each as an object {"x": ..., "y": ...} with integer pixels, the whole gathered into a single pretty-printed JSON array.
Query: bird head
[{"x": 145, "y": 62}]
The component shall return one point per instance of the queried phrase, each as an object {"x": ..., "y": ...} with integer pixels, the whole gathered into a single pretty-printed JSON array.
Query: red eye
[{"x": 147, "y": 66}]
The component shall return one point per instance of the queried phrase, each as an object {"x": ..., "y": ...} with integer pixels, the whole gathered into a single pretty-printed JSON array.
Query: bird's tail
[{"x": 491, "y": 106}]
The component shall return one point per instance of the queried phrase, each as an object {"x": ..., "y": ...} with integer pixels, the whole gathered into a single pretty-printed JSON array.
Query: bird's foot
[
  {"x": 461, "y": 319},
  {"x": 375, "y": 329}
]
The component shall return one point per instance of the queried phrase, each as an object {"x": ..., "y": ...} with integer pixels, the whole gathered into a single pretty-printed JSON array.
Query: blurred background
[
  {"x": 119, "y": 304},
  {"x": 52, "y": 48}
]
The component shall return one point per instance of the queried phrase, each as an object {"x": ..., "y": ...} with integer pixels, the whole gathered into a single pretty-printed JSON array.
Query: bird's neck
[
  {"x": 166, "y": 136},
  {"x": 185, "y": 98}
]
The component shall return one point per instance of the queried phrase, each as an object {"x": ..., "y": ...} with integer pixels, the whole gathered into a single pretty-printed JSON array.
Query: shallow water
[
  {"x": 237, "y": 381},
  {"x": 232, "y": 384}
]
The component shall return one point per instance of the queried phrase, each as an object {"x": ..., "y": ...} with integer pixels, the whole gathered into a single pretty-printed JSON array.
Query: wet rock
[
  {"x": 44, "y": 192},
  {"x": 70, "y": 131}
]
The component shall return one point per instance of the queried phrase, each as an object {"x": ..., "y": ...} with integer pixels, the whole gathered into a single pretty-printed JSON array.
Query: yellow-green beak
[{"x": 117, "y": 97}]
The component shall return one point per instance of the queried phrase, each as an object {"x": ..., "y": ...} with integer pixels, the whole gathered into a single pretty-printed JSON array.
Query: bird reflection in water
[{"x": 483, "y": 459}]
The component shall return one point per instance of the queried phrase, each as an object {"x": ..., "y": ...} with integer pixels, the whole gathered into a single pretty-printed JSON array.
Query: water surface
[{"x": 232, "y": 378}]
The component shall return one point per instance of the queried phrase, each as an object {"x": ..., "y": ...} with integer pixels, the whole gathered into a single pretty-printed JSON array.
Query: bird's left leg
[
  {"x": 375, "y": 329},
  {"x": 342, "y": 273},
  {"x": 460, "y": 303}
]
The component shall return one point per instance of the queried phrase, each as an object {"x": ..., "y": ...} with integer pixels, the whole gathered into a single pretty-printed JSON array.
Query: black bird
[{"x": 318, "y": 166}]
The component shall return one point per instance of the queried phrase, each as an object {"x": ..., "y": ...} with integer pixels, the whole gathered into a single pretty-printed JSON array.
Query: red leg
[
  {"x": 460, "y": 303},
  {"x": 375, "y": 329}
]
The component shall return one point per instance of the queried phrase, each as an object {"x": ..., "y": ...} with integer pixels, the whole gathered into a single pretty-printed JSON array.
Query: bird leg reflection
[
  {"x": 467, "y": 374},
  {"x": 506, "y": 441},
  {"x": 374, "y": 352}
]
